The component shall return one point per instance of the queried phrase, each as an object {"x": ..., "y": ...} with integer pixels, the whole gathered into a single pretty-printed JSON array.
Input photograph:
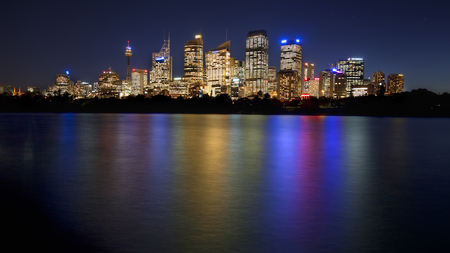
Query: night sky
[{"x": 40, "y": 39}]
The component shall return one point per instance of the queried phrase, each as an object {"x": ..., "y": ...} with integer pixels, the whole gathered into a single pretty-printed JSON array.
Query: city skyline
[{"x": 86, "y": 46}]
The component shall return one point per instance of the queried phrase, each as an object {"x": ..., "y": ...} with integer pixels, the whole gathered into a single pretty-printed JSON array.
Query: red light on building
[
  {"x": 305, "y": 96},
  {"x": 134, "y": 70},
  {"x": 145, "y": 71},
  {"x": 317, "y": 79}
]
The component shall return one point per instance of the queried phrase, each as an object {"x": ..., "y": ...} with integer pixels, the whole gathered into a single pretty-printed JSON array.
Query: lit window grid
[{"x": 256, "y": 63}]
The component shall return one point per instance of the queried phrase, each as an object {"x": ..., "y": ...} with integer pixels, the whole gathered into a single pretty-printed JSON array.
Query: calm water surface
[{"x": 226, "y": 183}]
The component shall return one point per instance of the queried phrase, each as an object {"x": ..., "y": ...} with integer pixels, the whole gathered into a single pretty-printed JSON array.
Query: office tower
[
  {"x": 325, "y": 84},
  {"x": 237, "y": 78},
  {"x": 340, "y": 85},
  {"x": 272, "y": 78},
  {"x": 179, "y": 88},
  {"x": 395, "y": 83},
  {"x": 108, "y": 83},
  {"x": 379, "y": 81},
  {"x": 313, "y": 86},
  {"x": 128, "y": 55},
  {"x": 291, "y": 55},
  {"x": 288, "y": 84},
  {"x": 308, "y": 71},
  {"x": 161, "y": 73},
  {"x": 63, "y": 84},
  {"x": 193, "y": 60},
  {"x": 353, "y": 68},
  {"x": 291, "y": 59},
  {"x": 218, "y": 70},
  {"x": 256, "y": 62},
  {"x": 308, "y": 74},
  {"x": 139, "y": 81}
]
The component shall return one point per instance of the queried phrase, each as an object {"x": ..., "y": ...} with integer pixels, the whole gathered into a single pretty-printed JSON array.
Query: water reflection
[{"x": 232, "y": 183}]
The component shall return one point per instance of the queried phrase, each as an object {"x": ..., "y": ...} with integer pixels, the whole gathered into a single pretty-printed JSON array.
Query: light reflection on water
[{"x": 234, "y": 183}]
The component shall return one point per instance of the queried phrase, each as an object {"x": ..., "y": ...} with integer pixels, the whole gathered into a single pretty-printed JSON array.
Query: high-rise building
[
  {"x": 2, "y": 88},
  {"x": 379, "y": 81},
  {"x": 128, "y": 54},
  {"x": 237, "y": 78},
  {"x": 193, "y": 60},
  {"x": 218, "y": 70},
  {"x": 161, "y": 73},
  {"x": 291, "y": 55},
  {"x": 108, "y": 83},
  {"x": 272, "y": 78},
  {"x": 256, "y": 62},
  {"x": 308, "y": 71},
  {"x": 291, "y": 59},
  {"x": 313, "y": 86},
  {"x": 325, "y": 84},
  {"x": 288, "y": 84},
  {"x": 353, "y": 68},
  {"x": 63, "y": 84},
  {"x": 340, "y": 85},
  {"x": 139, "y": 80},
  {"x": 395, "y": 83},
  {"x": 308, "y": 74}
]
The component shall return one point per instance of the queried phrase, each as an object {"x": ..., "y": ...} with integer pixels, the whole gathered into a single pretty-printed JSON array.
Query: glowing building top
[
  {"x": 291, "y": 55},
  {"x": 193, "y": 60},
  {"x": 161, "y": 73},
  {"x": 128, "y": 50}
]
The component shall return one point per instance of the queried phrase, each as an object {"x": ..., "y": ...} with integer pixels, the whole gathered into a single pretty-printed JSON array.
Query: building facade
[
  {"x": 218, "y": 70},
  {"x": 396, "y": 83},
  {"x": 139, "y": 81},
  {"x": 193, "y": 60},
  {"x": 161, "y": 72},
  {"x": 308, "y": 74},
  {"x": 272, "y": 81},
  {"x": 353, "y": 68},
  {"x": 256, "y": 62},
  {"x": 288, "y": 85}
]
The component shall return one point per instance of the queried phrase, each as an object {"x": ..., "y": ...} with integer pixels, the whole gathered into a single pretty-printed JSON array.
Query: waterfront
[{"x": 231, "y": 183}]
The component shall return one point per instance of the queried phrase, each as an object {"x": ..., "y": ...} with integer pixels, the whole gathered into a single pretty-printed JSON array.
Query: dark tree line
[{"x": 421, "y": 102}]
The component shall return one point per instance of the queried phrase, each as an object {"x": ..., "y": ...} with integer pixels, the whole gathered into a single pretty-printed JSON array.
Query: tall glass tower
[
  {"x": 353, "y": 68},
  {"x": 193, "y": 60},
  {"x": 256, "y": 62}
]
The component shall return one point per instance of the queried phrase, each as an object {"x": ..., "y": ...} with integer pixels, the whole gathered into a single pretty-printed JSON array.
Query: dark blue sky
[{"x": 42, "y": 39}]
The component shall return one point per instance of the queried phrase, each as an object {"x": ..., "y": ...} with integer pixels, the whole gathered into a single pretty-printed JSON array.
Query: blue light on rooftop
[
  {"x": 67, "y": 72},
  {"x": 283, "y": 41}
]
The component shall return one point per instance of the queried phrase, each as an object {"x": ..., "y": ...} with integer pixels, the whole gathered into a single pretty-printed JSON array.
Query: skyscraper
[
  {"x": 161, "y": 73},
  {"x": 218, "y": 70},
  {"x": 272, "y": 78},
  {"x": 291, "y": 55},
  {"x": 308, "y": 74},
  {"x": 108, "y": 83},
  {"x": 396, "y": 83},
  {"x": 256, "y": 62},
  {"x": 291, "y": 60},
  {"x": 353, "y": 68},
  {"x": 379, "y": 81},
  {"x": 193, "y": 60},
  {"x": 308, "y": 71},
  {"x": 288, "y": 84},
  {"x": 237, "y": 78},
  {"x": 139, "y": 81},
  {"x": 128, "y": 54}
]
